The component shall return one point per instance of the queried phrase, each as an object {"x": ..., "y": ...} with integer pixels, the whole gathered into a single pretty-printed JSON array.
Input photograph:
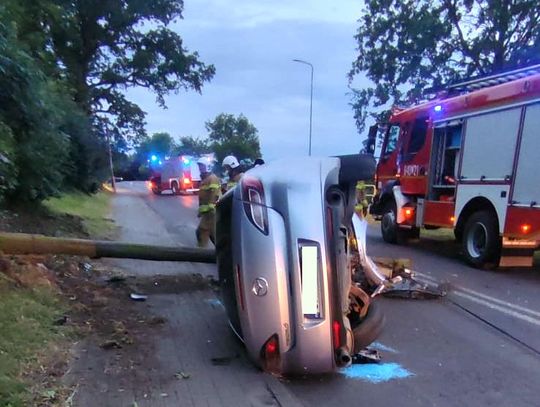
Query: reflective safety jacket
[{"x": 209, "y": 193}]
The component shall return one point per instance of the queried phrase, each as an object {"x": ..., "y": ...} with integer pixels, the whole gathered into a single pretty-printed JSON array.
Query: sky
[{"x": 252, "y": 44}]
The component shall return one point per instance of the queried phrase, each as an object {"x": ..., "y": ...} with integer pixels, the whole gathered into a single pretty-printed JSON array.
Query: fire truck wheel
[
  {"x": 175, "y": 189},
  {"x": 389, "y": 228},
  {"x": 156, "y": 191},
  {"x": 481, "y": 242}
]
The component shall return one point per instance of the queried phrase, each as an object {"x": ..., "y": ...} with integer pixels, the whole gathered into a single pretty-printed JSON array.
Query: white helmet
[
  {"x": 231, "y": 161},
  {"x": 203, "y": 162}
]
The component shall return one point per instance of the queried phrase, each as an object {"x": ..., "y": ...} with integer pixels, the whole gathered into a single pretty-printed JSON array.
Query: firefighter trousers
[{"x": 206, "y": 231}]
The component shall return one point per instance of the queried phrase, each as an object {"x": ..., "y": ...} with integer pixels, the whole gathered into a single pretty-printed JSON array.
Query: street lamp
[{"x": 310, "y": 100}]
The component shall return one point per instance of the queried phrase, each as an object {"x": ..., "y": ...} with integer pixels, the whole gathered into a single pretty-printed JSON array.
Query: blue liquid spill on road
[
  {"x": 376, "y": 373},
  {"x": 214, "y": 302},
  {"x": 381, "y": 347}
]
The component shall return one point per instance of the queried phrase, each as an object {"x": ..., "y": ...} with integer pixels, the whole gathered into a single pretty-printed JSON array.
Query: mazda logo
[{"x": 260, "y": 287}]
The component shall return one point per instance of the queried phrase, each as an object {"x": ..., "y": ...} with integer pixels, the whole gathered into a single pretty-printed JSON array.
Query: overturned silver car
[{"x": 287, "y": 253}]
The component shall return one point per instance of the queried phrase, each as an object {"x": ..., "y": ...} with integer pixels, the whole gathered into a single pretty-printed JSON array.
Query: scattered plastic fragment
[{"x": 138, "y": 297}]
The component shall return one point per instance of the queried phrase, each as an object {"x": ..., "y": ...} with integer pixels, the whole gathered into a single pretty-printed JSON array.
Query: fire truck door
[
  {"x": 446, "y": 151},
  {"x": 527, "y": 179},
  {"x": 488, "y": 157}
]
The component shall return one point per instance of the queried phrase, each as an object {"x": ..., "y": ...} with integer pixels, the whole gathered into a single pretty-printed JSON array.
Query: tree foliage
[
  {"x": 407, "y": 46},
  {"x": 33, "y": 141},
  {"x": 111, "y": 45},
  {"x": 190, "y": 145},
  {"x": 228, "y": 134},
  {"x": 64, "y": 69}
]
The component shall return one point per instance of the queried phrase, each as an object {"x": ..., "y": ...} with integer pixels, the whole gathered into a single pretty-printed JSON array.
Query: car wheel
[
  {"x": 175, "y": 189},
  {"x": 389, "y": 227},
  {"x": 481, "y": 242},
  {"x": 156, "y": 191}
]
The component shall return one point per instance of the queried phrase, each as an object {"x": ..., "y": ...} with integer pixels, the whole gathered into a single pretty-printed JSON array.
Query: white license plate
[{"x": 310, "y": 281}]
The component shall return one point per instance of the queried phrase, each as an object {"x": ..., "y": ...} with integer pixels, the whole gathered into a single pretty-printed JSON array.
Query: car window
[
  {"x": 418, "y": 136},
  {"x": 391, "y": 140}
]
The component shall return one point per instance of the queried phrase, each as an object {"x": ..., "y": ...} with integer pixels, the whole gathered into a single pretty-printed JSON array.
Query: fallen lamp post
[{"x": 22, "y": 243}]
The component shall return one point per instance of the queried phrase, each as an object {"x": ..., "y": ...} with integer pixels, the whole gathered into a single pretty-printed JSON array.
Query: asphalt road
[{"x": 480, "y": 346}]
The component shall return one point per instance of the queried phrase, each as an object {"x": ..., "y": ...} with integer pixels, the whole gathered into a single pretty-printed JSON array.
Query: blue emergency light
[{"x": 153, "y": 157}]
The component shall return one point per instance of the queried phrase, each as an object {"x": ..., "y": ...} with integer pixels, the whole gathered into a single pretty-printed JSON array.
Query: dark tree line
[{"x": 64, "y": 67}]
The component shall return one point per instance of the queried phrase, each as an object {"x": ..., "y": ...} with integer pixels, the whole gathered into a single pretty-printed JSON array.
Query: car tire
[
  {"x": 156, "y": 191},
  {"x": 481, "y": 242},
  {"x": 389, "y": 227},
  {"x": 175, "y": 189},
  {"x": 370, "y": 328}
]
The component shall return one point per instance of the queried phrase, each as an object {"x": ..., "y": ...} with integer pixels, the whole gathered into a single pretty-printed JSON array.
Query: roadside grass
[
  {"x": 438, "y": 234},
  {"x": 33, "y": 346},
  {"x": 92, "y": 209},
  {"x": 27, "y": 332}
]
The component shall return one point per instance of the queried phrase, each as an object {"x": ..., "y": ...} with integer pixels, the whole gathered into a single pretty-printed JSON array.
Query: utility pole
[
  {"x": 310, "y": 101},
  {"x": 113, "y": 182}
]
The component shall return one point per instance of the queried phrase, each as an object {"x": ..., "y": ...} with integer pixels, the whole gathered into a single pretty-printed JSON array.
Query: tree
[
  {"x": 160, "y": 144},
  {"x": 111, "y": 45},
  {"x": 228, "y": 134},
  {"x": 193, "y": 146},
  {"x": 407, "y": 46}
]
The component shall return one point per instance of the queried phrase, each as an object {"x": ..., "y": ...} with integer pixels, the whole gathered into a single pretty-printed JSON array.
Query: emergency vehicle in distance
[
  {"x": 467, "y": 160},
  {"x": 178, "y": 174}
]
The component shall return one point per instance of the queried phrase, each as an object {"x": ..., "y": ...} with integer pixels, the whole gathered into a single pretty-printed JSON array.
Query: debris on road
[
  {"x": 410, "y": 288},
  {"x": 116, "y": 279},
  {"x": 387, "y": 276},
  {"x": 157, "y": 321},
  {"x": 138, "y": 297},
  {"x": 182, "y": 375},
  {"x": 110, "y": 344},
  {"x": 224, "y": 361},
  {"x": 367, "y": 356}
]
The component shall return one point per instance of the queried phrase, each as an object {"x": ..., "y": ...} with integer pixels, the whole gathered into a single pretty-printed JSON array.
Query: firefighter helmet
[
  {"x": 230, "y": 161},
  {"x": 203, "y": 164}
]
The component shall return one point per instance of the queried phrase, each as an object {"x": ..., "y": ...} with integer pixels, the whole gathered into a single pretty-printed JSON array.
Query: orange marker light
[
  {"x": 525, "y": 228},
  {"x": 408, "y": 213},
  {"x": 452, "y": 219},
  {"x": 186, "y": 181}
]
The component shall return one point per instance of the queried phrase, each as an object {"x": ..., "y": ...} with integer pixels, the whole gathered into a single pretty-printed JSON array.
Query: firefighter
[
  {"x": 361, "y": 199},
  {"x": 233, "y": 168},
  {"x": 209, "y": 193}
]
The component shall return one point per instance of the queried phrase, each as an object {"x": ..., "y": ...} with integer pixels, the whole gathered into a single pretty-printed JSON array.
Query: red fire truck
[
  {"x": 178, "y": 174},
  {"x": 467, "y": 160}
]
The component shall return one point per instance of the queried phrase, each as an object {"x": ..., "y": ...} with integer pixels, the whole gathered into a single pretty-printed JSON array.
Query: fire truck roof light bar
[{"x": 496, "y": 79}]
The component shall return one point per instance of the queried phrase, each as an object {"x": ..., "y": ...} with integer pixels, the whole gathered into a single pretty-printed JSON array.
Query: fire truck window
[
  {"x": 418, "y": 136},
  {"x": 391, "y": 141}
]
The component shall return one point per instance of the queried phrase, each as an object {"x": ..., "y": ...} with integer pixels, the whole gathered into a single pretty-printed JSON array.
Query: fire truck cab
[{"x": 467, "y": 160}]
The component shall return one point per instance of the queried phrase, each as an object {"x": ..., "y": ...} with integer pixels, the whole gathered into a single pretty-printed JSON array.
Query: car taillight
[
  {"x": 336, "y": 334},
  {"x": 270, "y": 356},
  {"x": 254, "y": 203}
]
